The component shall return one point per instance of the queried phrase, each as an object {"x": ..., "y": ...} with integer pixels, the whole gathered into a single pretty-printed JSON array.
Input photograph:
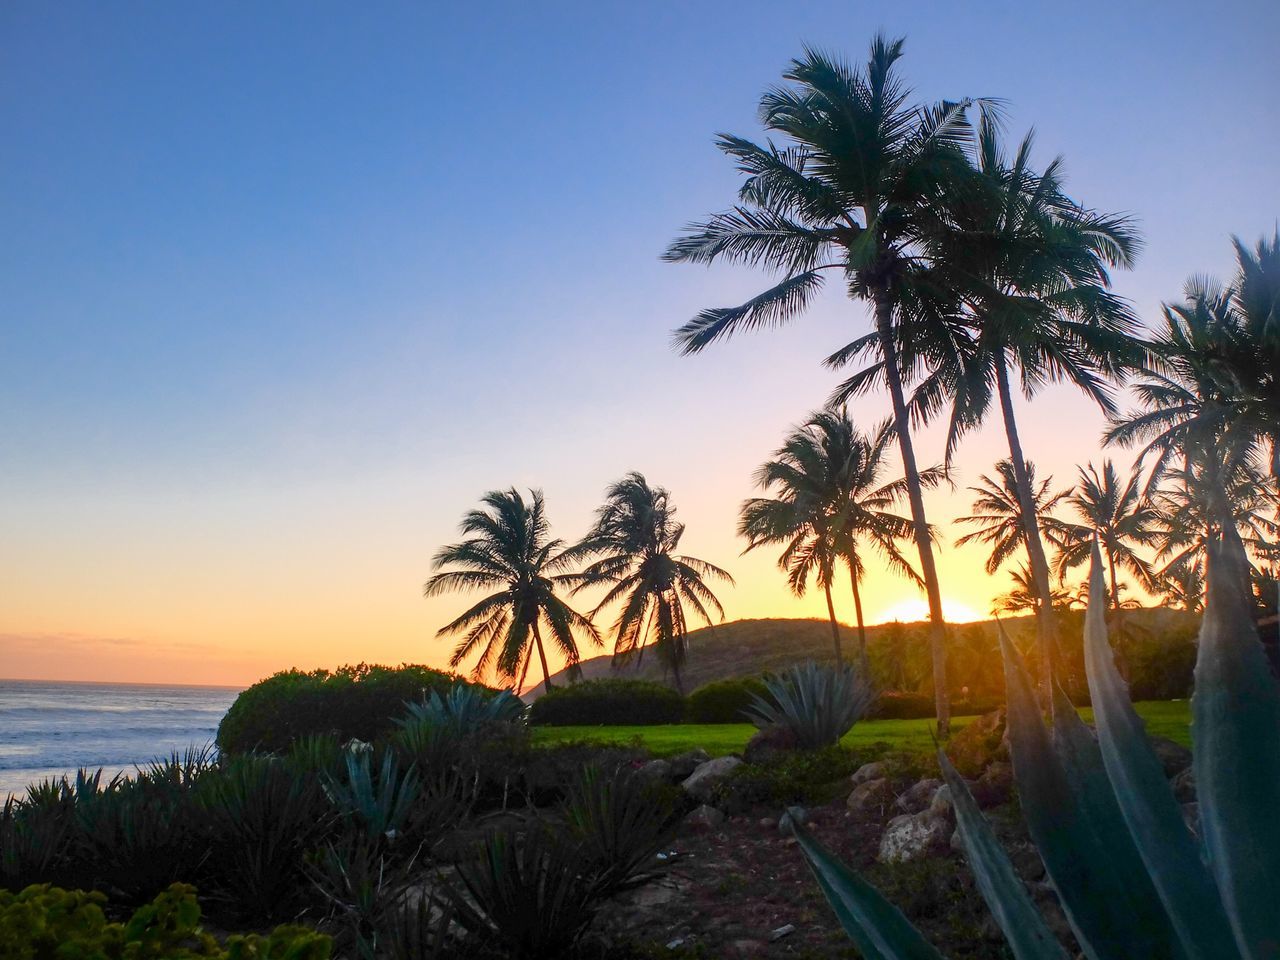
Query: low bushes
[
  {"x": 44, "y": 921},
  {"x": 353, "y": 702},
  {"x": 723, "y": 701},
  {"x": 611, "y": 701}
]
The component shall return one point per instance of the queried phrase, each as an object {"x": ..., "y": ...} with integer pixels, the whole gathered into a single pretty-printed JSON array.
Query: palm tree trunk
[
  {"x": 542, "y": 655},
  {"x": 528, "y": 659},
  {"x": 1045, "y": 618},
  {"x": 862, "y": 627},
  {"x": 924, "y": 543},
  {"x": 835, "y": 626}
]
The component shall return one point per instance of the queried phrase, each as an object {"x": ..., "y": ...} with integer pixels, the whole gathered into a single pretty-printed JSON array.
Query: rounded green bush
[
  {"x": 901, "y": 705},
  {"x": 353, "y": 702},
  {"x": 723, "y": 701},
  {"x": 609, "y": 701}
]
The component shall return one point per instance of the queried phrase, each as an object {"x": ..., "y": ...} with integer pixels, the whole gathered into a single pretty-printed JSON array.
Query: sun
[{"x": 912, "y": 611}]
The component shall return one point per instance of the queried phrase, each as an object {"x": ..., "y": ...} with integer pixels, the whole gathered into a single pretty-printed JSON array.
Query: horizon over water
[{"x": 51, "y": 728}]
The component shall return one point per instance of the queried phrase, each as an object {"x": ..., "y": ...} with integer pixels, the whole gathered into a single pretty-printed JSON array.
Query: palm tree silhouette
[
  {"x": 1031, "y": 269},
  {"x": 1122, "y": 520},
  {"x": 830, "y": 499},
  {"x": 997, "y": 513},
  {"x": 508, "y": 548},
  {"x": 857, "y": 190},
  {"x": 635, "y": 538}
]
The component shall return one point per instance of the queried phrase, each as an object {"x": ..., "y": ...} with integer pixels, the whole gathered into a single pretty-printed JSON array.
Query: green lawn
[{"x": 1165, "y": 719}]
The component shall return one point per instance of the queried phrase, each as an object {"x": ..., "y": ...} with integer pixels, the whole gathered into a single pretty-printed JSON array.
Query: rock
[
  {"x": 746, "y": 948},
  {"x": 940, "y": 804},
  {"x": 871, "y": 797},
  {"x": 786, "y": 930},
  {"x": 655, "y": 770},
  {"x": 683, "y": 764},
  {"x": 1184, "y": 786},
  {"x": 705, "y": 818},
  {"x": 702, "y": 782},
  {"x": 793, "y": 815},
  {"x": 767, "y": 823},
  {"x": 768, "y": 743},
  {"x": 918, "y": 795},
  {"x": 868, "y": 771},
  {"x": 912, "y": 836},
  {"x": 1174, "y": 757},
  {"x": 957, "y": 842},
  {"x": 979, "y": 744},
  {"x": 995, "y": 786}
]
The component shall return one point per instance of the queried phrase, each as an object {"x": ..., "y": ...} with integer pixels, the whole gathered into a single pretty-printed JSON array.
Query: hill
[{"x": 749, "y": 647}]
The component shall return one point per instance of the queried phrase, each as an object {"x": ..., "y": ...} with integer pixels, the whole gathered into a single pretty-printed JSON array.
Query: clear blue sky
[{"x": 284, "y": 287}]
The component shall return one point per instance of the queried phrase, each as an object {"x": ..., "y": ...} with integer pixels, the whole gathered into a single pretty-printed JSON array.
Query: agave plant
[
  {"x": 816, "y": 703},
  {"x": 1132, "y": 879},
  {"x": 381, "y": 804},
  {"x": 466, "y": 708}
]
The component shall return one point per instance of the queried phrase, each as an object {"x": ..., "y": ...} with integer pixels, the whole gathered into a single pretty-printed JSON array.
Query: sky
[{"x": 284, "y": 288}]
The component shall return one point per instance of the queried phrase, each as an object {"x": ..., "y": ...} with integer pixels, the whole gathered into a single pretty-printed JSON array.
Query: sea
[{"x": 51, "y": 729}]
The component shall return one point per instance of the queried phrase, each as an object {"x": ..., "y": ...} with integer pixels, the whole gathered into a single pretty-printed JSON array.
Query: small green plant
[
  {"x": 380, "y": 804},
  {"x": 466, "y": 709},
  {"x": 45, "y": 921},
  {"x": 612, "y": 700},
  {"x": 816, "y": 703}
]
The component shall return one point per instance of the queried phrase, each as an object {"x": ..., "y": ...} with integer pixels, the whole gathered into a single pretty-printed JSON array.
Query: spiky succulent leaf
[
  {"x": 877, "y": 927},
  {"x": 1023, "y": 926},
  {"x": 1096, "y": 901},
  {"x": 1236, "y": 730},
  {"x": 1145, "y": 798},
  {"x": 817, "y": 703},
  {"x": 1081, "y": 760}
]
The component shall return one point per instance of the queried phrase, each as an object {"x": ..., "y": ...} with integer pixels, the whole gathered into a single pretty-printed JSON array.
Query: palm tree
[
  {"x": 1183, "y": 583},
  {"x": 998, "y": 513},
  {"x": 1121, "y": 518},
  {"x": 856, "y": 189},
  {"x": 830, "y": 499},
  {"x": 635, "y": 538},
  {"x": 1031, "y": 268},
  {"x": 508, "y": 549},
  {"x": 1024, "y": 597}
]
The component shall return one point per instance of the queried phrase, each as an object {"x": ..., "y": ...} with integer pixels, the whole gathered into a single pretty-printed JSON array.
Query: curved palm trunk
[
  {"x": 1045, "y": 619},
  {"x": 924, "y": 543},
  {"x": 524, "y": 672},
  {"x": 835, "y": 626},
  {"x": 542, "y": 656},
  {"x": 862, "y": 627}
]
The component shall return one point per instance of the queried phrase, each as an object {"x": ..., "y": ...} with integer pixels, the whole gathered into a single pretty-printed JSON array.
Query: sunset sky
[{"x": 285, "y": 287}]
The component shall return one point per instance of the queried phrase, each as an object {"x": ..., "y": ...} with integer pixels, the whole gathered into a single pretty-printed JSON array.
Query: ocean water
[{"x": 49, "y": 729}]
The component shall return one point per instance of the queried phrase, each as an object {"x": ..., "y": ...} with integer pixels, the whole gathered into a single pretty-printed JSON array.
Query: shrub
[
  {"x": 354, "y": 702},
  {"x": 817, "y": 703},
  {"x": 608, "y": 701},
  {"x": 901, "y": 705},
  {"x": 466, "y": 708},
  {"x": 44, "y": 921},
  {"x": 809, "y": 777},
  {"x": 723, "y": 701}
]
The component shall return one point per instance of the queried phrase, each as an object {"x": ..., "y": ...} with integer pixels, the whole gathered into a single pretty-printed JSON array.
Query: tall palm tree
[
  {"x": 634, "y": 541},
  {"x": 856, "y": 190},
  {"x": 830, "y": 499},
  {"x": 998, "y": 512},
  {"x": 1121, "y": 518},
  {"x": 1031, "y": 268},
  {"x": 508, "y": 549}
]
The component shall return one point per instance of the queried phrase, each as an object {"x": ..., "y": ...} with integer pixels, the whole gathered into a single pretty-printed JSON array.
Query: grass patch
[{"x": 1171, "y": 719}]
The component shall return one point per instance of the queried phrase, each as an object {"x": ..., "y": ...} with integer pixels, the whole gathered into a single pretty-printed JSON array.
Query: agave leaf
[
  {"x": 1023, "y": 926},
  {"x": 1236, "y": 728},
  {"x": 1081, "y": 760},
  {"x": 1096, "y": 901},
  {"x": 877, "y": 928},
  {"x": 1145, "y": 798}
]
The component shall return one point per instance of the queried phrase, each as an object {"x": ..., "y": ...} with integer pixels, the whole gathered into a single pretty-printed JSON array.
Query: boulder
[
  {"x": 918, "y": 795},
  {"x": 940, "y": 804},
  {"x": 1174, "y": 757},
  {"x": 683, "y": 764},
  {"x": 914, "y": 835},
  {"x": 995, "y": 786},
  {"x": 980, "y": 743},
  {"x": 704, "y": 818},
  {"x": 707, "y": 776},
  {"x": 868, "y": 771},
  {"x": 768, "y": 743},
  {"x": 1184, "y": 785},
  {"x": 655, "y": 770},
  {"x": 871, "y": 798}
]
